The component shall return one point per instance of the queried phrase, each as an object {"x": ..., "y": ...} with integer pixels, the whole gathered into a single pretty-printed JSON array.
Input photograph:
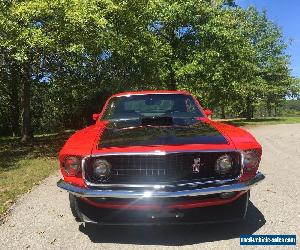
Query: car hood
[
  {"x": 181, "y": 131},
  {"x": 132, "y": 137}
]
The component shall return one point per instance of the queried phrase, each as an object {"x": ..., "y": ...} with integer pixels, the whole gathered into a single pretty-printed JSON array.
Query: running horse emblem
[{"x": 196, "y": 165}]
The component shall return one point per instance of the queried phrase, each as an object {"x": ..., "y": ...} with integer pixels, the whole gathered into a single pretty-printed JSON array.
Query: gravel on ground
[{"x": 41, "y": 219}]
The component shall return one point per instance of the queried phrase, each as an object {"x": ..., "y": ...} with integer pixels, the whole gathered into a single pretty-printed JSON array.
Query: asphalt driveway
[{"x": 41, "y": 219}]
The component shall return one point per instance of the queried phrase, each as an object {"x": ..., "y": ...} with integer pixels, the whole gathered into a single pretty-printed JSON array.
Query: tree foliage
[{"x": 60, "y": 59}]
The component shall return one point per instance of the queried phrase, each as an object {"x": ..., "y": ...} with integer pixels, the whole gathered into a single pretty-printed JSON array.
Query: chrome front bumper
[{"x": 106, "y": 193}]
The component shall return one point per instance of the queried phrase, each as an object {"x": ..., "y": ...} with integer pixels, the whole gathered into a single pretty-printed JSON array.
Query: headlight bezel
[
  {"x": 224, "y": 170},
  {"x": 105, "y": 176}
]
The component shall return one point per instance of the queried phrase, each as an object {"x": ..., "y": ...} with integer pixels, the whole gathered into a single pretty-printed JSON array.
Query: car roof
[{"x": 152, "y": 92}]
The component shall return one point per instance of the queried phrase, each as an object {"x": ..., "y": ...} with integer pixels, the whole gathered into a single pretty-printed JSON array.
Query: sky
[{"x": 286, "y": 14}]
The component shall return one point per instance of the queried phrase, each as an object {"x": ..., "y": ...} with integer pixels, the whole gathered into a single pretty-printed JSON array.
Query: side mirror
[
  {"x": 208, "y": 112},
  {"x": 96, "y": 117}
]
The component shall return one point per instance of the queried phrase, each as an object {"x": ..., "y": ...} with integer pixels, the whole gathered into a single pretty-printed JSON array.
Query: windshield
[{"x": 151, "y": 105}]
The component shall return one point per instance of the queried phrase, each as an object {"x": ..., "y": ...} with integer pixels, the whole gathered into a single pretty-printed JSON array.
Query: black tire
[
  {"x": 240, "y": 209},
  {"x": 246, "y": 202},
  {"x": 74, "y": 207}
]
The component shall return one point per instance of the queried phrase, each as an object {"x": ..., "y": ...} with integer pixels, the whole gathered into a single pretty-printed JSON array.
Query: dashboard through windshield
[{"x": 151, "y": 105}]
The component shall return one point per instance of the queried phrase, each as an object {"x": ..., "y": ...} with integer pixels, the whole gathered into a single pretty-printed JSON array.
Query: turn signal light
[
  {"x": 72, "y": 165},
  {"x": 250, "y": 160}
]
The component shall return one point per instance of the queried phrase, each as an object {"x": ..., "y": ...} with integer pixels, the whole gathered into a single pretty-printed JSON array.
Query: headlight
[
  {"x": 223, "y": 164},
  {"x": 72, "y": 165},
  {"x": 101, "y": 169},
  {"x": 250, "y": 160}
]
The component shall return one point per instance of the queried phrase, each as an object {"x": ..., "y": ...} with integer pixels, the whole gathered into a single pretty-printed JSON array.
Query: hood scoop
[{"x": 157, "y": 121}]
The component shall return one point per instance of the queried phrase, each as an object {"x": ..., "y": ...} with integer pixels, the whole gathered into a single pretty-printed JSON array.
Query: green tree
[
  {"x": 48, "y": 39},
  {"x": 271, "y": 81},
  {"x": 59, "y": 58},
  {"x": 202, "y": 49}
]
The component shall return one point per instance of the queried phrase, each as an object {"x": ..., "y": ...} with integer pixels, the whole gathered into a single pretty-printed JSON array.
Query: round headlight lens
[
  {"x": 101, "y": 168},
  {"x": 250, "y": 160},
  {"x": 223, "y": 164},
  {"x": 72, "y": 165}
]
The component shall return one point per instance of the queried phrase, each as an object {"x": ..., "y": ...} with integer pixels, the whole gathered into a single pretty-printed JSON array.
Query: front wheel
[
  {"x": 74, "y": 207},
  {"x": 245, "y": 203}
]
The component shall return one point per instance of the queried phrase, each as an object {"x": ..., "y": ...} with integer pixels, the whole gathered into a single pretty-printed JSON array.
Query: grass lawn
[
  {"x": 262, "y": 121},
  {"x": 23, "y": 166}
]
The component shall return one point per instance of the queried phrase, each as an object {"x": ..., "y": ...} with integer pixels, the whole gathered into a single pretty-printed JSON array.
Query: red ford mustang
[{"x": 155, "y": 157}]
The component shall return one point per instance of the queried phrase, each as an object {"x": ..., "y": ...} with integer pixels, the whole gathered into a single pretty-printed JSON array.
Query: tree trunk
[
  {"x": 14, "y": 102},
  {"x": 27, "y": 135},
  {"x": 249, "y": 108},
  {"x": 223, "y": 116},
  {"x": 269, "y": 108},
  {"x": 14, "y": 112},
  {"x": 172, "y": 81}
]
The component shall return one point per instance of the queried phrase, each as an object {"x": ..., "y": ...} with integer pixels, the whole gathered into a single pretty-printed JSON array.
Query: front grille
[{"x": 168, "y": 168}]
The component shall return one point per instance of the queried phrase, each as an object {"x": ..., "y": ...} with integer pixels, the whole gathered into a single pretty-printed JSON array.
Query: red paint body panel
[{"x": 159, "y": 207}]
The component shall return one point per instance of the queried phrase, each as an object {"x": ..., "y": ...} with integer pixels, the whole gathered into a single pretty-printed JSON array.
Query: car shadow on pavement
[{"x": 175, "y": 235}]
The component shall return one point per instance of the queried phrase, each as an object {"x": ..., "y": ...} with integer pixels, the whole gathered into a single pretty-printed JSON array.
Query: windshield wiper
[{"x": 125, "y": 119}]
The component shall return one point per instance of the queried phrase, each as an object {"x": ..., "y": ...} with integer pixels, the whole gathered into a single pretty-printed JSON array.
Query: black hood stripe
[{"x": 184, "y": 131}]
